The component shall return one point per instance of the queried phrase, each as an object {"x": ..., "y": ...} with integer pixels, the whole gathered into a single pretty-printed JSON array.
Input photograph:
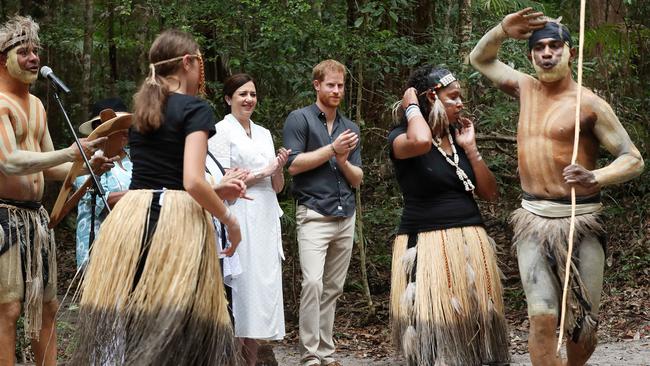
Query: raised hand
[
  {"x": 410, "y": 97},
  {"x": 281, "y": 159},
  {"x": 520, "y": 25},
  {"x": 465, "y": 136}
]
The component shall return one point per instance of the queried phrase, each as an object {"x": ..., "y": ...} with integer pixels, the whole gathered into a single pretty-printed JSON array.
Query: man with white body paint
[
  {"x": 27, "y": 159},
  {"x": 545, "y": 137}
]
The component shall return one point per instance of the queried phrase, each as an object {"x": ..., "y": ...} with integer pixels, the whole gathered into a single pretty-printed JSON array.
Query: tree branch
[{"x": 496, "y": 137}]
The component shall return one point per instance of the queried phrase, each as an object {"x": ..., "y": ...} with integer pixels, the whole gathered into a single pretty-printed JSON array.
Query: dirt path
[{"x": 628, "y": 353}]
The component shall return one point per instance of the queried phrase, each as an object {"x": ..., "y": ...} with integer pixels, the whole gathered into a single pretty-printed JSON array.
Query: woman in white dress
[{"x": 239, "y": 143}]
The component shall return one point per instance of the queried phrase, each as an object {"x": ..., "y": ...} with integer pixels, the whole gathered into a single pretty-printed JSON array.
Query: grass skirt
[
  {"x": 446, "y": 299},
  {"x": 164, "y": 307},
  {"x": 553, "y": 236},
  {"x": 28, "y": 266}
]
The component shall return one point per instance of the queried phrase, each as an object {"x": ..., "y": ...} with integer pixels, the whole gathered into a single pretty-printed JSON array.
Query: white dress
[{"x": 257, "y": 292}]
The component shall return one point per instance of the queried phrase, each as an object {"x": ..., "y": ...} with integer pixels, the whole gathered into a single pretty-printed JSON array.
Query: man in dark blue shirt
[{"x": 325, "y": 163}]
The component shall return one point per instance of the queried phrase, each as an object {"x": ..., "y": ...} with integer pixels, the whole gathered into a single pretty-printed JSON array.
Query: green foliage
[
  {"x": 504, "y": 7},
  {"x": 279, "y": 41},
  {"x": 22, "y": 344},
  {"x": 627, "y": 266},
  {"x": 515, "y": 297}
]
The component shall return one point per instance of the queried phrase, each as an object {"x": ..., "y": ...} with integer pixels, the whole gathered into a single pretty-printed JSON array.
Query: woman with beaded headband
[
  {"x": 153, "y": 291},
  {"x": 446, "y": 302}
]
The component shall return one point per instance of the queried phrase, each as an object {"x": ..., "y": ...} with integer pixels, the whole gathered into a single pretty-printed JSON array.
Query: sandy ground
[{"x": 629, "y": 353}]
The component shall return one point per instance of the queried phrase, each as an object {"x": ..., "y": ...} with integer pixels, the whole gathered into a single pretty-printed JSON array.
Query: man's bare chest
[
  {"x": 28, "y": 130},
  {"x": 552, "y": 120}
]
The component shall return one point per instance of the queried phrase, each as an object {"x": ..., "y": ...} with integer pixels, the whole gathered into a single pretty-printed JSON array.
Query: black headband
[{"x": 552, "y": 30}]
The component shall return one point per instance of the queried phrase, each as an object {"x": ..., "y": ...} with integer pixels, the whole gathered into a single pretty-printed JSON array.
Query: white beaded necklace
[{"x": 467, "y": 183}]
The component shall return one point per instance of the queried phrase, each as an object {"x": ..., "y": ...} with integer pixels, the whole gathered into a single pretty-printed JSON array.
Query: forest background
[{"x": 100, "y": 49}]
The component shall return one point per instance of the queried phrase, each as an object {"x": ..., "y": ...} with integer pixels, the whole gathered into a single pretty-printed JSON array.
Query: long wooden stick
[{"x": 574, "y": 157}]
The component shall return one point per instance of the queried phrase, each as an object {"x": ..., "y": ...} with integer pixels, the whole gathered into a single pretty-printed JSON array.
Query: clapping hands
[
  {"x": 344, "y": 143},
  {"x": 232, "y": 184}
]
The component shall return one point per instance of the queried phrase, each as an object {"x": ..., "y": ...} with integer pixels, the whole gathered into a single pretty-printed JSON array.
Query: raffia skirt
[
  {"x": 446, "y": 299},
  {"x": 152, "y": 292},
  {"x": 553, "y": 237},
  {"x": 27, "y": 260}
]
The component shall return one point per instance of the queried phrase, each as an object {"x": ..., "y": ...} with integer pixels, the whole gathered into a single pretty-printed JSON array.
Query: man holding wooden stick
[{"x": 545, "y": 143}]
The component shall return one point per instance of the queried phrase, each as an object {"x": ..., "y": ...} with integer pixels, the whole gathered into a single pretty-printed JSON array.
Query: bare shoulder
[
  {"x": 4, "y": 109},
  {"x": 527, "y": 77},
  {"x": 597, "y": 104},
  {"x": 36, "y": 100},
  {"x": 527, "y": 82},
  {"x": 8, "y": 105}
]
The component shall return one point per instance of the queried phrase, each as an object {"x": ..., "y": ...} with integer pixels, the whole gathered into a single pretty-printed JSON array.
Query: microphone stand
[
  {"x": 98, "y": 187},
  {"x": 93, "y": 208}
]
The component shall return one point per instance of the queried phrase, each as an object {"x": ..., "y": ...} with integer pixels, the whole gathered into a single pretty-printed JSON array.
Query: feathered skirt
[{"x": 446, "y": 298}]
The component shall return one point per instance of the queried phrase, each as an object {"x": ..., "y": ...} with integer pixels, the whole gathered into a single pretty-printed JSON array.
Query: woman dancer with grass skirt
[
  {"x": 446, "y": 301},
  {"x": 153, "y": 293}
]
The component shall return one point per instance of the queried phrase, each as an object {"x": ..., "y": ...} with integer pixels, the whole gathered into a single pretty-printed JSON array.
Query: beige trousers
[{"x": 325, "y": 245}]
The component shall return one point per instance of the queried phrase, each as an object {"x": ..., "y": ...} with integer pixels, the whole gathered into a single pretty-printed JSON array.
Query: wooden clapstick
[{"x": 113, "y": 126}]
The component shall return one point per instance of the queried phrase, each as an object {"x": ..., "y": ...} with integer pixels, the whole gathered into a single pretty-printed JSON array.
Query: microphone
[{"x": 47, "y": 73}]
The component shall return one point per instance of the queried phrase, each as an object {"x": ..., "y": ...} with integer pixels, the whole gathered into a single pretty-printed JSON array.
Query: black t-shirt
[
  {"x": 434, "y": 196},
  {"x": 158, "y": 156}
]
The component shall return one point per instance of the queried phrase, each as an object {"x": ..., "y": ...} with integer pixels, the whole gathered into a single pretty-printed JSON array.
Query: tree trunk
[
  {"x": 317, "y": 9},
  {"x": 605, "y": 11},
  {"x": 423, "y": 20},
  {"x": 112, "y": 48},
  {"x": 464, "y": 28},
  {"x": 352, "y": 12},
  {"x": 361, "y": 240},
  {"x": 142, "y": 38},
  {"x": 599, "y": 13},
  {"x": 86, "y": 59},
  {"x": 450, "y": 8}
]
